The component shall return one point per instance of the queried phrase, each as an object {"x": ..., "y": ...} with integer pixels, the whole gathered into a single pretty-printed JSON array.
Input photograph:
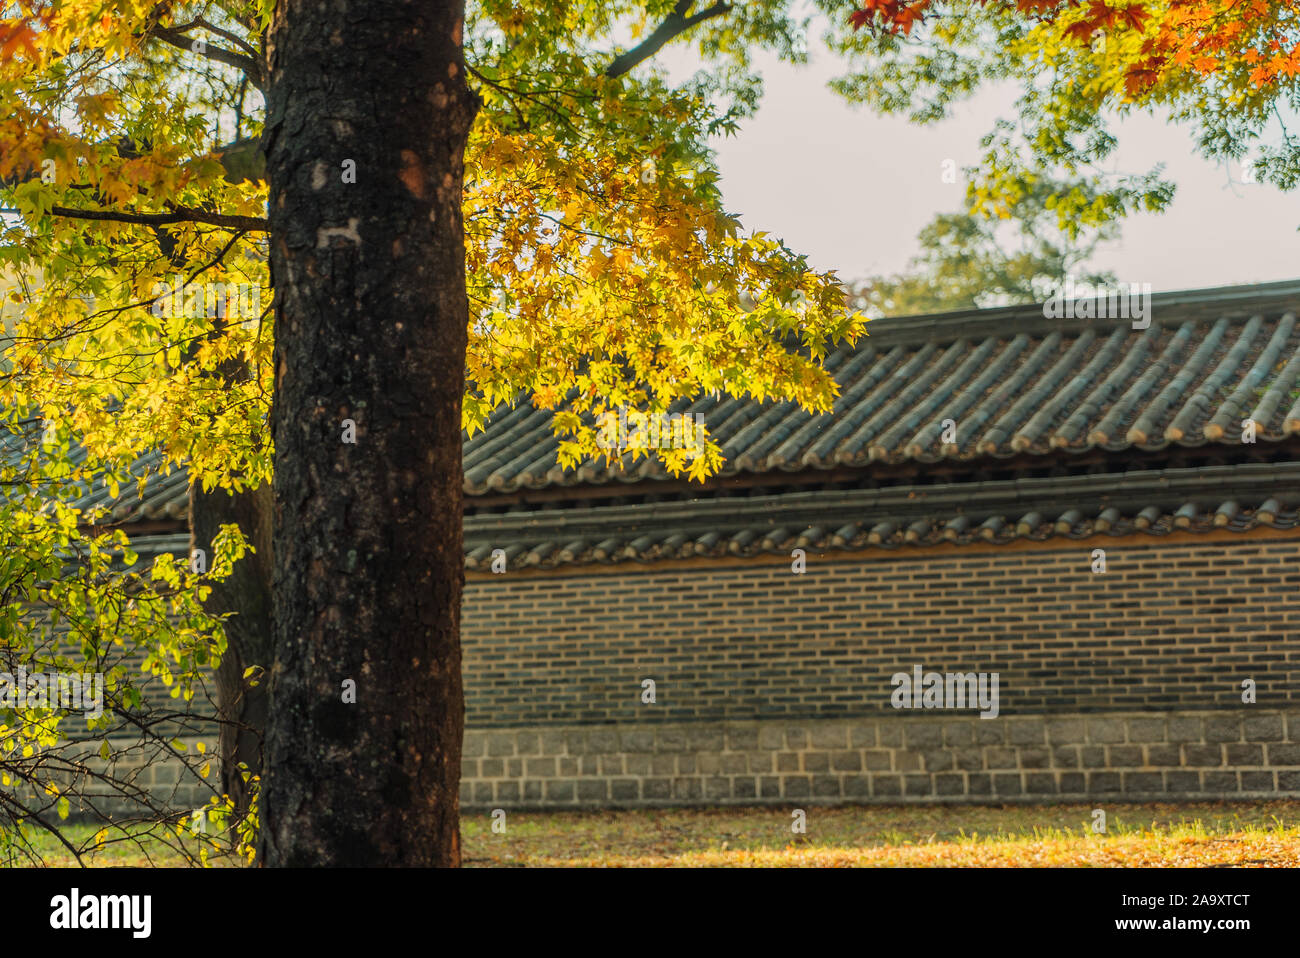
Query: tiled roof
[
  {"x": 1157, "y": 503},
  {"x": 1018, "y": 385},
  {"x": 1014, "y": 382},
  {"x": 1232, "y": 498}
]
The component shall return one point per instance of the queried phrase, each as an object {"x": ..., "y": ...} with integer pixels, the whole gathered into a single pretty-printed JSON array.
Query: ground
[{"x": 1259, "y": 834}]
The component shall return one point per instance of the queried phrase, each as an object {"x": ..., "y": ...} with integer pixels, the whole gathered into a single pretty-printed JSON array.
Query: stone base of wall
[{"x": 1180, "y": 756}]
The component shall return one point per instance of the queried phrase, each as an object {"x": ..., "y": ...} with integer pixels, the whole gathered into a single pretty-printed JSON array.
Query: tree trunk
[
  {"x": 371, "y": 318},
  {"x": 241, "y": 706}
]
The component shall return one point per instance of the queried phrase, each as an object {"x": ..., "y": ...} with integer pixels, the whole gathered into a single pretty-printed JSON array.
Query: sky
[{"x": 851, "y": 189}]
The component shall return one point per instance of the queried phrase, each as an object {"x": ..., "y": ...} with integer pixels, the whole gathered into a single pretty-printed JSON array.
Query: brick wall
[
  {"x": 1175, "y": 624},
  {"x": 956, "y": 758},
  {"x": 775, "y": 688}
]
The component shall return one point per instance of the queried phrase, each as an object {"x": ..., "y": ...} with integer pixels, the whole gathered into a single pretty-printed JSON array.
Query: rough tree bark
[{"x": 371, "y": 318}]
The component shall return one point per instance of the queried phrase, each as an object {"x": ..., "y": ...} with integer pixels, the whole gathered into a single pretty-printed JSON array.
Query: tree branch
[
  {"x": 252, "y": 224},
  {"x": 674, "y": 25},
  {"x": 252, "y": 67}
]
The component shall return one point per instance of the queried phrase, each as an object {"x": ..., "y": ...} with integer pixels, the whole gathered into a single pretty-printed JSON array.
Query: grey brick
[
  {"x": 491, "y": 768},
  {"x": 528, "y": 743},
  {"x": 540, "y": 767},
  {"x": 787, "y": 761},
  {"x": 1143, "y": 783},
  {"x": 704, "y": 738},
  {"x": 670, "y": 739},
  {"x": 816, "y": 761},
  {"x": 501, "y": 744},
  {"x": 635, "y": 740},
  {"x": 826, "y": 786},
  {"x": 624, "y": 789},
  {"x": 1000, "y": 757},
  {"x": 1034, "y": 758},
  {"x": 474, "y": 745},
  {"x": 1102, "y": 782},
  {"x": 797, "y": 786},
  {"x": 744, "y": 787},
  {"x": 1284, "y": 754},
  {"x": 1203, "y": 756},
  {"x": 1245, "y": 754},
  {"x": 937, "y": 760},
  {"x": 687, "y": 788},
  {"x": 1183, "y": 781},
  {"x": 633, "y": 764},
  {"x": 890, "y": 733},
  {"x": 990, "y": 731},
  {"x": 576, "y": 742},
  {"x": 1257, "y": 781},
  {"x": 552, "y": 743},
  {"x": 969, "y": 759},
  {"x": 918, "y": 785},
  {"x": 1065, "y": 756},
  {"x": 1263, "y": 728},
  {"x": 769, "y": 786},
  {"x": 877, "y": 759},
  {"x": 1146, "y": 730},
  {"x": 1223, "y": 728},
  {"x": 1184, "y": 728},
  {"x": 862, "y": 735},
  {"x": 846, "y": 761},
  {"x": 1028, "y": 731},
  {"x": 603, "y": 740},
  {"x": 796, "y": 737},
  {"x": 735, "y": 763},
  {"x": 742, "y": 738},
  {"x": 979, "y": 784},
  {"x": 886, "y": 786},
  {"x": 657, "y": 788},
  {"x": 708, "y": 763},
  {"x": 1125, "y": 756},
  {"x": 923, "y": 734},
  {"x": 830, "y": 736},
  {"x": 1104, "y": 731},
  {"x": 1040, "y": 783},
  {"x": 907, "y": 761},
  {"x": 1220, "y": 783},
  {"x": 593, "y": 790},
  {"x": 956, "y": 734},
  {"x": 568, "y": 766},
  {"x": 1165, "y": 756},
  {"x": 771, "y": 737},
  {"x": 1066, "y": 731},
  {"x": 1092, "y": 756},
  {"x": 1288, "y": 783},
  {"x": 857, "y": 786},
  {"x": 949, "y": 783},
  {"x": 717, "y": 787},
  {"x": 1007, "y": 784},
  {"x": 1073, "y": 783}
]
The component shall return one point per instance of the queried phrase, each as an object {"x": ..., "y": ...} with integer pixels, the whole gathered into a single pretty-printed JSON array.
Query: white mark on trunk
[
  {"x": 326, "y": 235},
  {"x": 319, "y": 175}
]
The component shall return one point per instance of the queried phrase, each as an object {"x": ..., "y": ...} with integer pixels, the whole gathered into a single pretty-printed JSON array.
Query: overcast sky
[{"x": 852, "y": 189}]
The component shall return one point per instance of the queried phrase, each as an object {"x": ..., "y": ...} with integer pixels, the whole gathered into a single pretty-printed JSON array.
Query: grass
[{"x": 1260, "y": 834}]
